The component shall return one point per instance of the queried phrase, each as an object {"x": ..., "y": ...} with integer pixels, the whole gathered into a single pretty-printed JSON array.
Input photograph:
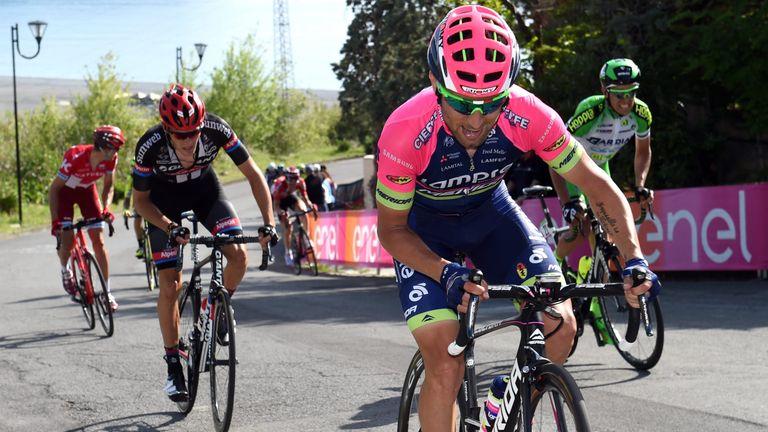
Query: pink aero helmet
[{"x": 473, "y": 52}]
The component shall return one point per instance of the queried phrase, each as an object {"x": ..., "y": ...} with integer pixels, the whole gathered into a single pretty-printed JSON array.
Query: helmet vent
[
  {"x": 466, "y": 76},
  {"x": 459, "y": 21},
  {"x": 494, "y": 56},
  {"x": 459, "y": 36},
  {"x": 496, "y": 36},
  {"x": 464, "y": 55},
  {"x": 491, "y": 77}
]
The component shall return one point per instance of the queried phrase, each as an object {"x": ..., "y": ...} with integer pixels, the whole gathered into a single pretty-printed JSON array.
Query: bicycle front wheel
[
  {"x": 309, "y": 253},
  {"x": 100, "y": 298},
  {"x": 149, "y": 265},
  {"x": 296, "y": 251},
  {"x": 557, "y": 403},
  {"x": 646, "y": 351},
  {"x": 223, "y": 363},
  {"x": 80, "y": 273},
  {"x": 408, "y": 414},
  {"x": 189, "y": 342}
]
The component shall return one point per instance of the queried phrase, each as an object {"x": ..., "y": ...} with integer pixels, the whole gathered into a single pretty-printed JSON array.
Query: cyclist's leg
[
  {"x": 434, "y": 327},
  {"x": 513, "y": 251},
  {"x": 221, "y": 217},
  {"x": 90, "y": 208},
  {"x": 66, "y": 212},
  {"x": 138, "y": 229}
]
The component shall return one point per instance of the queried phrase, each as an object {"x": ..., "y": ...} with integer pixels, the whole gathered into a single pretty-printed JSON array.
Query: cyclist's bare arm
[
  {"x": 259, "y": 188},
  {"x": 608, "y": 204},
  {"x": 558, "y": 183},
  {"x": 108, "y": 190},
  {"x": 407, "y": 247},
  {"x": 53, "y": 196},
  {"x": 642, "y": 160}
]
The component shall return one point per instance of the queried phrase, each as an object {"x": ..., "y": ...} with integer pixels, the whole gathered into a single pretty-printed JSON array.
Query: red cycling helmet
[
  {"x": 181, "y": 109},
  {"x": 108, "y": 135},
  {"x": 292, "y": 173},
  {"x": 474, "y": 53}
]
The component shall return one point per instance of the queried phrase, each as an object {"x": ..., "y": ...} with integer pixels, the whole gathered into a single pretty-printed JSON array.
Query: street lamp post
[
  {"x": 38, "y": 30},
  {"x": 200, "y": 48}
]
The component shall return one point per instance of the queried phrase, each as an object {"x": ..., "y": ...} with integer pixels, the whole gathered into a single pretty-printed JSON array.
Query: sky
[{"x": 144, "y": 34}]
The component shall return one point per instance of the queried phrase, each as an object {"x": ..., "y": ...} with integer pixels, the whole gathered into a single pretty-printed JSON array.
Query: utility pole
[{"x": 282, "y": 39}]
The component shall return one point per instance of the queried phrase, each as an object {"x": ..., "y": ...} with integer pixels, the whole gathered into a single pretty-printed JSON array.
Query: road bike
[
  {"x": 540, "y": 395},
  {"x": 203, "y": 346},
  {"x": 301, "y": 245},
  {"x": 91, "y": 287},
  {"x": 150, "y": 268},
  {"x": 607, "y": 315}
]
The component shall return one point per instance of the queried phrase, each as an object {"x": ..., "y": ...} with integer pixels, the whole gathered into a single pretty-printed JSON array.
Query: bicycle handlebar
[
  {"x": 83, "y": 223},
  {"x": 546, "y": 290},
  {"x": 219, "y": 240}
]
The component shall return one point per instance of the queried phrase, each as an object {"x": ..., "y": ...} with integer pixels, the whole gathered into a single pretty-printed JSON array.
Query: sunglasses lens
[
  {"x": 186, "y": 135},
  {"x": 467, "y": 108}
]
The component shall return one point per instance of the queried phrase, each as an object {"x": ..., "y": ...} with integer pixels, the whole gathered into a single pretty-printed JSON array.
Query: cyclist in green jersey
[{"x": 603, "y": 124}]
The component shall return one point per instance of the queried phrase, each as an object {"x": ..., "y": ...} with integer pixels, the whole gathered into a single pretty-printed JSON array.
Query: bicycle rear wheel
[
  {"x": 223, "y": 364},
  {"x": 79, "y": 271},
  {"x": 189, "y": 345},
  {"x": 408, "y": 414},
  {"x": 103, "y": 308},
  {"x": 557, "y": 403},
  {"x": 309, "y": 253}
]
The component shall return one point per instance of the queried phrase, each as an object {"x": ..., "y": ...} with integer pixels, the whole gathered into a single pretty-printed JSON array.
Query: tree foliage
[
  {"x": 384, "y": 62},
  {"x": 701, "y": 72}
]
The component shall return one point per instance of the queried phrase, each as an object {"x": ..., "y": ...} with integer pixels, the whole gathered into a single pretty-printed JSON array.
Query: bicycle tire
[
  {"x": 80, "y": 276},
  {"x": 103, "y": 309},
  {"x": 189, "y": 343},
  {"x": 408, "y": 412},
  {"x": 149, "y": 265},
  {"x": 563, "y": 407},
  {"x": 309, "y": 253},
  {"x": 223, "y": 365},
  {"x": 296, "y": 254},
  {"x": 647, "y": 349}
]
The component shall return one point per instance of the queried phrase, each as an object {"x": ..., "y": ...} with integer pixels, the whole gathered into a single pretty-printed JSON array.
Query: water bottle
[{"x": 493, "y": 403}]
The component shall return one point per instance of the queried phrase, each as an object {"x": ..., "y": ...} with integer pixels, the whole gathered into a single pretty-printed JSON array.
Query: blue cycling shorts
[{"x": 499, "y": 239}]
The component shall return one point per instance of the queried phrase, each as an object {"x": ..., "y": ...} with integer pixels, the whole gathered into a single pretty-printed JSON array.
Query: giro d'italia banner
[{"x": 709, "y": 228}]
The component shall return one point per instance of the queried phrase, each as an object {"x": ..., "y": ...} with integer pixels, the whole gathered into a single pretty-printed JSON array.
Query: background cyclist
[
  {"x": 442, "y": 156},
  {"x": 75, "y": 183},
  {"x": 603, "y": 124},
  {"x": 290, "y": 192},
  {"x": 138, "y": 221},
  {"x": 172, "y": 174}
]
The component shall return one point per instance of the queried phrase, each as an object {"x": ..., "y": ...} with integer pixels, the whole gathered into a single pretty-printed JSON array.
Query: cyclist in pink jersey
[
  {"x": 75, "y": 183},
  {"x": 442, "y": 157}
]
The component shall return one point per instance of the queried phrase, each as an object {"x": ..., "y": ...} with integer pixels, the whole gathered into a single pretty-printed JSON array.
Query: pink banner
[
  {"x": 349, "y": 238},
  {"x": 712, "y": 228}
]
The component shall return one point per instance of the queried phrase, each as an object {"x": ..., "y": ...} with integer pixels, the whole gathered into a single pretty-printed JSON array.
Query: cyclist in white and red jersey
[
  {"x": 442, "y": 156},
  {"x": 290, "y": 192},
  {"x": 173, "y": 173},
  {"x": 75, "y": 183}
]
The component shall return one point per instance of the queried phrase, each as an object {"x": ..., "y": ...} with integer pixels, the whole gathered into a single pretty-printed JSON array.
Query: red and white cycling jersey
[
  {"x": 281, "y": 188},
  {"x": 76, "y": 169}
]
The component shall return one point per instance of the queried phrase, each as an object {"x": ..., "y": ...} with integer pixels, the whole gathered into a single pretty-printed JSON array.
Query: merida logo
[{"x": 427, "y": 318}]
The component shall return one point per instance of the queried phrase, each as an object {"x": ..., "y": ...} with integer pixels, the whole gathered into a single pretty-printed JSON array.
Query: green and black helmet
[{"x": 620, "y": 71}]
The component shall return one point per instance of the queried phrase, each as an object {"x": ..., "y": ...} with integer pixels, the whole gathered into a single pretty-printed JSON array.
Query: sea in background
[{"x": 144, "y": 34}]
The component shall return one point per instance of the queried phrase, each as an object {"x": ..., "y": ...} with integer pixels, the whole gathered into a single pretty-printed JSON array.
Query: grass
[{"x": 37, "y": 216}]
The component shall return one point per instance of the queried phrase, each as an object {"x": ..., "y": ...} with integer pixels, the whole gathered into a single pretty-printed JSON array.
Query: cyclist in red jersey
[
  {"x": 290, "y": 192},
  {"x": 75, "y": 183},
  {"x": 442, "y": 158},
  {"x": 173, "y": 173}
]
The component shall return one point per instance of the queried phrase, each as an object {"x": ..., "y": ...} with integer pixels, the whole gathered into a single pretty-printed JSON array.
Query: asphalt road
[{"x": 329, "y": 353}]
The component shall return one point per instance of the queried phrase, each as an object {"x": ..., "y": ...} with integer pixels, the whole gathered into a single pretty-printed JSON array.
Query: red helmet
[
  {"x": 292, "y": 173},
  {"x": 473, "y": 52},
  {"x": 181, "y": 109},
  {"x": 108, "y": 135}
]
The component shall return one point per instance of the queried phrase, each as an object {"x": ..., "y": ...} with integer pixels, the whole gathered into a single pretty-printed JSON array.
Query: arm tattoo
[{"x": 610, "y": 225}]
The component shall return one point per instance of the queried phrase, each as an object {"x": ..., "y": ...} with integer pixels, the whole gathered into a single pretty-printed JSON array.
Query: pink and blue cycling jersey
[{"x": 420, "y": 162}]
